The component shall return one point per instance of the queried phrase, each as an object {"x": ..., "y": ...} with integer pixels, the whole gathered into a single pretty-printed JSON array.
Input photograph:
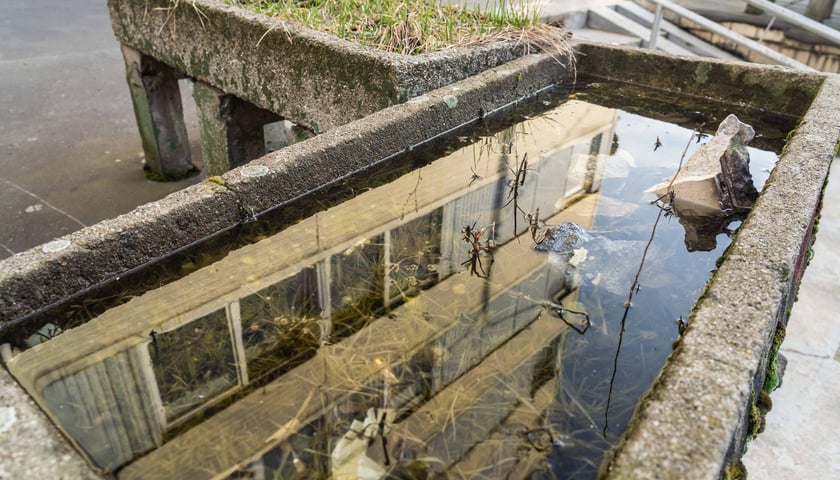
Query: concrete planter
[
  {"x": 707, "y": 402},
  {"x": 251, "y": 70},
  {"x": 696, "y": 418}
]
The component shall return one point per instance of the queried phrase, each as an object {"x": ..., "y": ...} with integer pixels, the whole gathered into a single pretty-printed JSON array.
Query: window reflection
[{"x": 193, "y": 363}]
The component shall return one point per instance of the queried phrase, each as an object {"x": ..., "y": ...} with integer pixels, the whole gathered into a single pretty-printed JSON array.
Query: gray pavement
[
  {"x": 70, "y": 156},
  {"x": 70, "y": 153}
]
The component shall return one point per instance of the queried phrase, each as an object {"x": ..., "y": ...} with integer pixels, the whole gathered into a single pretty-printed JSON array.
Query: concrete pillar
[
  {"x": 231, "y": 128},
  {"x": 819, "y": 10},
  {"x": 160, "y": 116}
]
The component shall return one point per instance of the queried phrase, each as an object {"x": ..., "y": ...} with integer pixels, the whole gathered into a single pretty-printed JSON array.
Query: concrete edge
[
  {"x": 319, "y": 161},
  {"x": 306, "y": 76},
  {"x": 761, "y": 87},
  {"x": 36, "y": 278},
  {"x": 699, "y": 414}
]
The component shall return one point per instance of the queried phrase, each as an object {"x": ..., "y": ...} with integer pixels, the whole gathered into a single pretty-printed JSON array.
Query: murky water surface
[{"x": 446, "y": 321}]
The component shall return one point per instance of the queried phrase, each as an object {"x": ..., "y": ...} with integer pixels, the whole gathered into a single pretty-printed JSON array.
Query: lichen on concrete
[{"x": 701, "y": 73}]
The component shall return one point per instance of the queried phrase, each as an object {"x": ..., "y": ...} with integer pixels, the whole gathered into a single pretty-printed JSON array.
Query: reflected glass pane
[
  {"x": 193, "y": 363},
  {"x": 356, "y": 284},
  {"x": 279, "y": 323},
  {"x": 415, "y": 255}
]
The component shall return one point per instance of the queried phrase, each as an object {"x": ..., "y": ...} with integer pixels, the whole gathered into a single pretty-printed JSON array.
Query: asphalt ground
[{"x": 70, "y": 153}]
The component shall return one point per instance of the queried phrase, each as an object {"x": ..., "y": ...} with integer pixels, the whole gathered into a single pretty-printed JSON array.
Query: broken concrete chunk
[{"x": 716, "y": 179}]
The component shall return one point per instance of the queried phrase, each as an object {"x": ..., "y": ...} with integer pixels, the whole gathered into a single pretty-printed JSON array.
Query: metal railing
[
  {"x": 800, "y": 21},
  {"x": 752, "y": 45}
]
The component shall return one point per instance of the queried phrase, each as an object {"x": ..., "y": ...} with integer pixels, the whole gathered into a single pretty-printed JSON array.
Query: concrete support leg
[
  {"x": 231, "y": 129},
  {"x": 160, "y": 116},
  {"x": 819, "y": 10}
]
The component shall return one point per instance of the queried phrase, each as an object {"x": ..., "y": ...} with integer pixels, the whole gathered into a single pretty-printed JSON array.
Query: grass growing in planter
[{"x": 417, "y": 26}]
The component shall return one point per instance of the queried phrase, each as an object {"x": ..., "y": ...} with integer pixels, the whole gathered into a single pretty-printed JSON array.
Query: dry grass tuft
[{"x": 420, "y": 26}]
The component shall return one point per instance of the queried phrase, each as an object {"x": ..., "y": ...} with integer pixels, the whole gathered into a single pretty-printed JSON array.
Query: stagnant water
[{"x": 415, "y": 328}]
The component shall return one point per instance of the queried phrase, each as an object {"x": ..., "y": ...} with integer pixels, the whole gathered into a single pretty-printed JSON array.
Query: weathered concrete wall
[
  {"x": 760, "y": 87},
  {"x": 156, "y": 98},
  {"x": 36, "y": 278},
  {"x": 697, "y": 417},
  {"x": 43, "y": 275},
  {"x": 308, "y": 77},
  {"x": 231, "y": 129}
]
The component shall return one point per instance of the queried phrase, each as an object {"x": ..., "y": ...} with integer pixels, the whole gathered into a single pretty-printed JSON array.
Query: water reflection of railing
[{"x": 118, "y": 383}]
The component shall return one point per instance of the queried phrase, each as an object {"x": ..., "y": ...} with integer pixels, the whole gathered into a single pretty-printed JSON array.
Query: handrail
[
  {"x": 802, "y": 21},
  {"x": 724, "y": 32}
]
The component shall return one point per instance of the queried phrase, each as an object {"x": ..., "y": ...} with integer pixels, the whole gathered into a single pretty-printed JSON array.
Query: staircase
[
  {"x": 625, "y": 22},
  {"x": 632, "y": 22}
]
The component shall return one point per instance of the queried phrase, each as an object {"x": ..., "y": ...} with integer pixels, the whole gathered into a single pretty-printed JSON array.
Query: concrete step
[
  {"x": 608, "y": 19},
  {"x": 601, "y": 36}
]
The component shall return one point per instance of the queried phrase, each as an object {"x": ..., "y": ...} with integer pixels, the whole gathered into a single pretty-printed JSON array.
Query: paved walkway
[{"x": 70, "y": 154}]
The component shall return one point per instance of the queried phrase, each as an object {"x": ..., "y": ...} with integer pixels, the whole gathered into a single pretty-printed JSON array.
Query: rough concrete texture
[
  {"x": 160, "y": 116},
  {"x": 328, "y": 157},
  {"x": 773, "y": 88},
  {"x": 40, "y": 276},
  {"x": 798, "y": 442},
  {"x": 695, "y": 420},
  {"x": 34, "y": 279},
  {"x": 38, "y": 450},
  {"x": 310, "y": 78}
]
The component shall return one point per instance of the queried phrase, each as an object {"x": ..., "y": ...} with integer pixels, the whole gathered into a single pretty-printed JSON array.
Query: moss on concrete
[
  {"x": 701, "y": 73},
  {"x": 772, "y": 380},
  {"x": 735, "y": 471},
  {"x": 763, "y": 87}
]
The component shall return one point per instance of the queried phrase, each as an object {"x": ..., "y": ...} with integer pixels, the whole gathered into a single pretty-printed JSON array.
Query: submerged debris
[
  {"x": 563, "y": 238},
  {"x": 606, "y": 263},
  {"x": 714, "y": 187},
  {"x": 716, "y": 179},
  {"x": 478, "y": 246}
]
